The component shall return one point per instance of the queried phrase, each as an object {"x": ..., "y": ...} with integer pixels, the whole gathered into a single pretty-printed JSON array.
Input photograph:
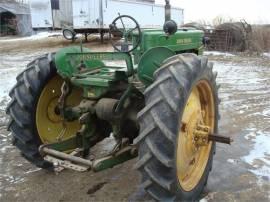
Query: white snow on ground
[
  {"x": 266, "y": 112},
  {"x": 7, "y": 80},
  {"x": 203, "y": 200},
  {"x": 232, "y": 161},
  {"x": 33, "y": 170},
  {"x": 10, "y": 66},
  {"x": 259, "y": 156},
  {"x": 246, "y": 91},
  {"x": 266, "y": 54},
  {"x": 217, "y": 53},
  {"x": 39, "y": 35}
]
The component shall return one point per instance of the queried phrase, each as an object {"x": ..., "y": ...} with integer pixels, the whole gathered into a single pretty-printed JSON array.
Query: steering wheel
[{"x": 121, "y": 31}]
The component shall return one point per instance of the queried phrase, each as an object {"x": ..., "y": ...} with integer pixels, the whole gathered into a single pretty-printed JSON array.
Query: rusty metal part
[
  {"x": 167, "y": 10},
  {"x": 105, "y": 109},
  {"x": 74, "y": 113},
  {"x": 62, "y": 155},
  {"x": 65, "y": 90},
  {"x": 234, "y": 36},
  {"x": 220, "y": 139},
  {"x": 60, "y": 165},
  {"x": 69, "y": 161},
  {"x": 202, "y": 136}
]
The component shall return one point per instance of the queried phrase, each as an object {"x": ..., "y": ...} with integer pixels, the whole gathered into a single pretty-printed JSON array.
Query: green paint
[
  {"x": 150, "y": 61},
  {"x": 67, "y": 67},
  {"x": 66, "y": 145},
  {"x": 88, "y": 57},
  {"x": 111, "y": 161},
  {"x": 182, "y": 40},
  {"x": 87, "y": 70}
]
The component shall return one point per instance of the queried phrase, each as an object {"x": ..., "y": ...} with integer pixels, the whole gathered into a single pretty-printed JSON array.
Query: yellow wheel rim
[
  {"x": 192, "y": 158},
  {"x": 50, "y": 125}
]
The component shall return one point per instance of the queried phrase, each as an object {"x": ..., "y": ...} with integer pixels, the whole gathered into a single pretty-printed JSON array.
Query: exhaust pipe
[
  {"x": 167, "y": 10},
  {"x": 170, "y": 26}
]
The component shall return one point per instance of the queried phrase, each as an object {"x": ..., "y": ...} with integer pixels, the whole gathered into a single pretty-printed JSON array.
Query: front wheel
[
  {"x": 183, "y": 100},
  {"x": 69, "y": 34}
]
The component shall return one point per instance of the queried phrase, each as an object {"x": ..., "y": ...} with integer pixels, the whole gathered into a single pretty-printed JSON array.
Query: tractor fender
[{"x": 150, "y": 61}]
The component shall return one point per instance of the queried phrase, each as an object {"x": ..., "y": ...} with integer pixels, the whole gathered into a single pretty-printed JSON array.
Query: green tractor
[{"x": 154, "y": 94}]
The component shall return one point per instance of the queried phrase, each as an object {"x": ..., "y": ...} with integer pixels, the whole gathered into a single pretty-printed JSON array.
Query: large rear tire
[
  {"x": 183, "y": 95},
  {"x": 33, "y": 116},
  {"x": 21, "y": 109}
]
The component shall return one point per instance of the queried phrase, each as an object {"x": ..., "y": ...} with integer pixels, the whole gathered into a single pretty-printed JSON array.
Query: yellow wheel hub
[
  {"x": 49, "y": 123},
  {"x": 193, "y": 148}
]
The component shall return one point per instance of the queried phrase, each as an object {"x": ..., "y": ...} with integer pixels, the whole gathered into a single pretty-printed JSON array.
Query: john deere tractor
[{"x": 154, "y": 94}]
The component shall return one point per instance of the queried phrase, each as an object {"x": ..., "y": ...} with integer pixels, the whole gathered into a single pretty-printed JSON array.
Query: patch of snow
[
  {"x": 258, "y": 157},
  {"x": 11, "y": 178},
  {"x": 2, "y": 135},
  {"x": 252, "y": 88},
  {"x": 217, "y": 53},
  {"x": 266, "y": 112},
  {"x": 108, "y": 143},
  {"x": 4, "y": 119},
  {"x": 266, "y": 55},
  {"x": 32, "y": 171},
  {"x": 233, "y": 161},
  {"x": 10, "y": 189},
  {"x": 37, "y": 36},
  {"x": 3, "y": 149},
  {"x": 7, "y": 80},
  {"x": 251, "y": 135},
  {"x": 203, "y": 200}
]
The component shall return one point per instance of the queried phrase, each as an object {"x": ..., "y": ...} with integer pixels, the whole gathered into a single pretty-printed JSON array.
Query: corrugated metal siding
[
  {"x": 63, "y": 16},
  {"x": 147, "y": 1}
]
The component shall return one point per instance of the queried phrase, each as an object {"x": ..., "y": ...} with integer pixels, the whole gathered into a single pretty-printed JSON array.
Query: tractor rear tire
[
  {"x": 21, "y": 109},
  {"x": 161, "y": 130}
]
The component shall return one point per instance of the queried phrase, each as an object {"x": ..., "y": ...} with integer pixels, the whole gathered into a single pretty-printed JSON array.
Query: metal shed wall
[
  {"x": 146, "y": 1},
  {"x": 63, "y": 17}
]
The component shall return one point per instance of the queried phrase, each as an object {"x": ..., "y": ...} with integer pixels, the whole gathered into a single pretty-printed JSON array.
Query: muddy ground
[{"x": 241, "y": 172}]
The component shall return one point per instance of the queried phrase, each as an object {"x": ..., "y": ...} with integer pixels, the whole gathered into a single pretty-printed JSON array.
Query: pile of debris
[
  {"x": 233, "y": 36},
  {"x": 230, "y": 37}
]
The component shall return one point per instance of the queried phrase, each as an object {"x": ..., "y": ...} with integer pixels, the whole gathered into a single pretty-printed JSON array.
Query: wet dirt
[{"x": 241, "y": 172}]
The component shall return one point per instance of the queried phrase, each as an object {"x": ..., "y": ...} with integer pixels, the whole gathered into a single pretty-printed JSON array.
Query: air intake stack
[
  {"x": 167, "y": 10},
  {"x": 170, "y": 26}
]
